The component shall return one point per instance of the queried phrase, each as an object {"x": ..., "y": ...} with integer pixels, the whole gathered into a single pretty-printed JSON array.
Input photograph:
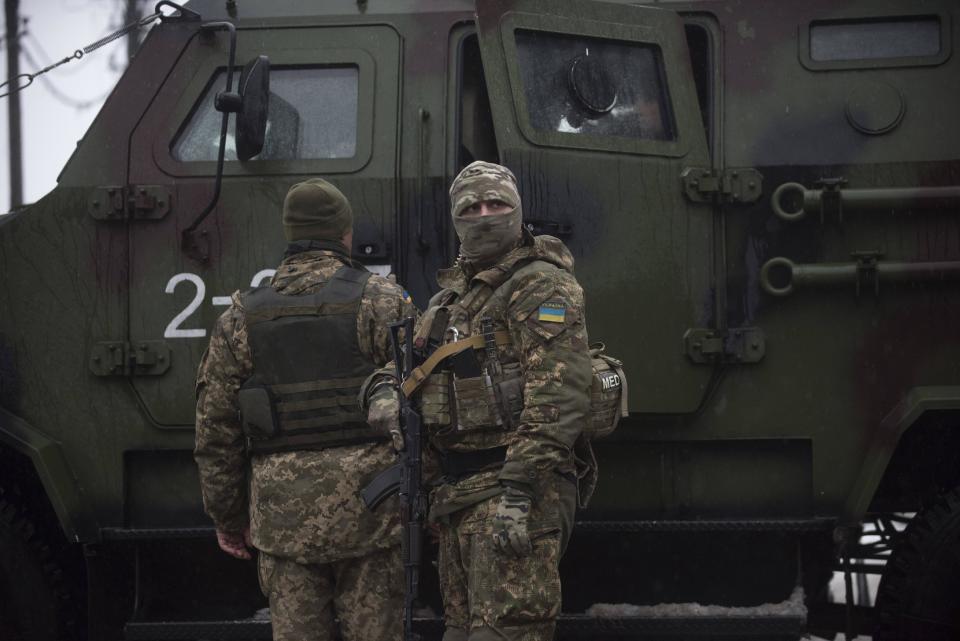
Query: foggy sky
[{"x": 50, "y": 126}]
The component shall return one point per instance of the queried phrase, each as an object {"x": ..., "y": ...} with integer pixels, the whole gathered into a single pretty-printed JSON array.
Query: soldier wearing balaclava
[
  {"x": 483, "y": 239},
  {"x": 505, "y": 415}
]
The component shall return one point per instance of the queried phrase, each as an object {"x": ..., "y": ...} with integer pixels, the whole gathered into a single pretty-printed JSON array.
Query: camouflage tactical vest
[
  {"x": 307, "y": 367},
  {"x": 475, "y": 399}
]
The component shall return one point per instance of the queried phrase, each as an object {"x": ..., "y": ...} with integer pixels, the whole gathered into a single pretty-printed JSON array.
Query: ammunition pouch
[
  {"x": 475, "y": 408},
  {"x": 608, "y": 393},
  {"x": 318, "y": 415},
  {"x": 449, "y": 403},
  {"x": 435, "y": 400},
  {"x": 258, "y": 417},
  {"x": 420, "y": 374}
]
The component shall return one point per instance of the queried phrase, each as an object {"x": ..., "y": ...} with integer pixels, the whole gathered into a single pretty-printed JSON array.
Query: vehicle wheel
[
  {"x": 919, "y": 595},
  {"x": 34, "y": 603}
]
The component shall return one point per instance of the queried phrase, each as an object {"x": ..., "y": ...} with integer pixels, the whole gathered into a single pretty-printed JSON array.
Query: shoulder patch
[{"x": 552, "y": 312}]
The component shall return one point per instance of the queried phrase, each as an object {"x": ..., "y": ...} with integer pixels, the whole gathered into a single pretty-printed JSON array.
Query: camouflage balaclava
[
  {"x": 316, "y": 210},
  {"x": 485, "y": 238}
]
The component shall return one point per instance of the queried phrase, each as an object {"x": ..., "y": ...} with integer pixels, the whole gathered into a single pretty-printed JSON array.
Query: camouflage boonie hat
[{"x": 483, "y": 181}]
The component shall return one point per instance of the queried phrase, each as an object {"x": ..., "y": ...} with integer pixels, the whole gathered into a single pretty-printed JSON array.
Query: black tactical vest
[{"x": 307, "y": 367}]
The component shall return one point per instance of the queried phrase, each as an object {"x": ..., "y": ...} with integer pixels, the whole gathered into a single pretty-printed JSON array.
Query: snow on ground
[{"x": 791, "y": 607}]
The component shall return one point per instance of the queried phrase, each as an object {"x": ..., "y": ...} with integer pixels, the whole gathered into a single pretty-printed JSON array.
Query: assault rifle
[{"x": 405, "y": 477}]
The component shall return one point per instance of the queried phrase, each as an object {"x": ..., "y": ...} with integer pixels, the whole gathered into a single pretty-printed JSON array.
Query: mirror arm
[{"x": 189, "y": 243}]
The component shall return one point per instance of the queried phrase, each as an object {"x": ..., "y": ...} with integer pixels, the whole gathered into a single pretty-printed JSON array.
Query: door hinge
[
  {"x": 116, "y": 358},
  {"x": 143, "y": 202},
  {"x": 710, "y": 346},
  {"x": 740, "y": 185}
]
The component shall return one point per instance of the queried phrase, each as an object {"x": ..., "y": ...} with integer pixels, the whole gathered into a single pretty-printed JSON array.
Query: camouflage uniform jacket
[
  {"x": 300, "y": 505},
  {"x": 553, "y": 358}
]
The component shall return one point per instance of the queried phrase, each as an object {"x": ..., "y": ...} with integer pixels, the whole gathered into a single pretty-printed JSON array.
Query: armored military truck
[{"x": 763, "y": 200}]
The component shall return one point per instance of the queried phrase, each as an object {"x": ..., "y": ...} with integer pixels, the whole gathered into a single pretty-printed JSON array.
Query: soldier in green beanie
[
  {"x": 281, "y": 445},
  {"x": 316, "y": 210}
]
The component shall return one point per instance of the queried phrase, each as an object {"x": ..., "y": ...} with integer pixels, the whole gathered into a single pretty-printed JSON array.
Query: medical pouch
[{"x": 608, "y": 393}]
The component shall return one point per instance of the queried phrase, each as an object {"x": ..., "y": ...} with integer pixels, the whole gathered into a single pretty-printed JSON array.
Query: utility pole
[
  {"x": 13, "y": 102},
  {"x": 132, "y": 14}
]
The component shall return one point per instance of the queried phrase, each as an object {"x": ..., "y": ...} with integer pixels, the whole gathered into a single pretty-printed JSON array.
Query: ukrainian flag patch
[
  {"x": 552, "y": 312},
  {"x": 407, "y": 298}
]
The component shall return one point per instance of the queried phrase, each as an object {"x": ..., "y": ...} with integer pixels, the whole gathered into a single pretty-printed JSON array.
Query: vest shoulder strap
[
  {"x": 352, "y": 274},
  {"x": 339, "y": 295},
  {"x": 419, "y": 374}
]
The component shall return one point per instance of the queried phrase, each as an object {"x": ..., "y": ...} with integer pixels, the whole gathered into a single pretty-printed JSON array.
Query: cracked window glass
[
  {"x": 312, "y": 114},
  {"x": 580, "y": 85}
]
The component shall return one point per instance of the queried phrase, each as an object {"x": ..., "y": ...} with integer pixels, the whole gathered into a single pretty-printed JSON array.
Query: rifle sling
[{"x": 421, "y": 373}]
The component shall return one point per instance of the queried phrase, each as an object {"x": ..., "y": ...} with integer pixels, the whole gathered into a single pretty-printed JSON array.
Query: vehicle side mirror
[
  {"x": 250, "y": 102},
  {"x": 254, "y": 93}
]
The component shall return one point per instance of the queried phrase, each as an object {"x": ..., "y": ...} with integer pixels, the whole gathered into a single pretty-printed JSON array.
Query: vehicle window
[
  {"x": 590, "y": 86},
  {"x": 313, "y": 114},
  {"x": 875, "y": 39},
  {"x": 701, "y": 63}
]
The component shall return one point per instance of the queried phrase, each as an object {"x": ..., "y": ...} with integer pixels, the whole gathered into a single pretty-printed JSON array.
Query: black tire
[
  {"x": 919, "y": 595},
  {"x": 35, "y": 604}
]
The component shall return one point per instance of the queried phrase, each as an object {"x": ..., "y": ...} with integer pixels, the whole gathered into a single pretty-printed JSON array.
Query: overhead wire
[
  {"x": 45, "y": 57},
  {"x": 24, "y": 80},
  {"x": 59, "y": 95}
]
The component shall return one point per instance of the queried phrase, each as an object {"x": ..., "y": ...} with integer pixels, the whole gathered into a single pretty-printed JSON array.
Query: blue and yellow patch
[
  {"x": 407, "y": 298},
  {"x": 551, "y": 312}
]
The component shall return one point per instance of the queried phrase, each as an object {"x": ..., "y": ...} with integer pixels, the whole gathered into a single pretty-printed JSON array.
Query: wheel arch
[
  {"x": 909, "y": 414},
  {"x": 58, "y": 482}
]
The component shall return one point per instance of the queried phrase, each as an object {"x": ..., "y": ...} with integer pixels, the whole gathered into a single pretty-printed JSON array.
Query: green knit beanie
[{"x": 316, "y": 210}]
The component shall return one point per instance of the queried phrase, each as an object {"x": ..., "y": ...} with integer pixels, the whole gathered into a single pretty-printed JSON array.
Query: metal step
[
  {"x": 819, "y": 524},
  {"x": 578, "y": 626},
  {"x": 157, "y": 534},
  {"x": 569, "y": 626},
  {"x": 195, "y": 630}
]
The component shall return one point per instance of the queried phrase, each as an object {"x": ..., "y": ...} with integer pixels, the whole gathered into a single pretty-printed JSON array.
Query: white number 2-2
[{"x": 174, "y": 330}]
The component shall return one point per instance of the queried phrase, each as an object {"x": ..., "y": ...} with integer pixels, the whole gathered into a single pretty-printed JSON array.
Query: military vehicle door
[
  {"x": 331, "y": 89},
  {"x": 595, "y": 109}
]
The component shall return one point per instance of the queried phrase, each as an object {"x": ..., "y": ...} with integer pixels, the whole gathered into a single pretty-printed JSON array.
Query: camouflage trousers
[
  {"x": 488, "y": 596},
  {"x": 364, "y": 593}
]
